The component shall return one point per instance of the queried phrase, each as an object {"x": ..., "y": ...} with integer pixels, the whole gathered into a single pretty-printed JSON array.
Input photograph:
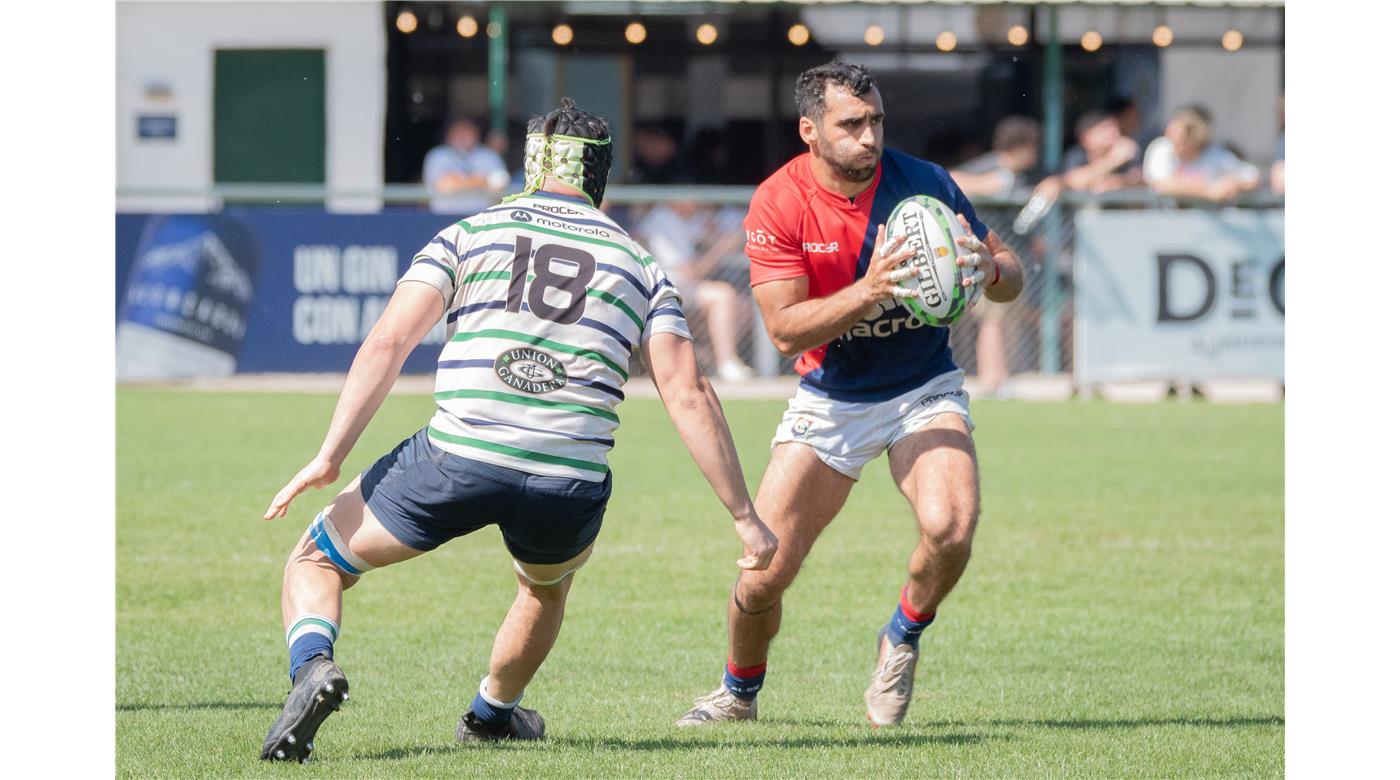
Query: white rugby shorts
[{"x": 846, "y": 435}]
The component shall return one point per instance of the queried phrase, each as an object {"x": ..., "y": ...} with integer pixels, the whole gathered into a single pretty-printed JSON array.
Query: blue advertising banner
[{"x": 259, "y": 289}]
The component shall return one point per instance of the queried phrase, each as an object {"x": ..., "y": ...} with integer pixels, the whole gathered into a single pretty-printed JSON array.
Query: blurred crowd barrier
[{"x": 1118, "y": 287}]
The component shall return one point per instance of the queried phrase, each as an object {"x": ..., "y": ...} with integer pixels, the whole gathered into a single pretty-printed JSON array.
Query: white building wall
[
  {"x": 1241, "y": 90},
  {"x": 173, "y": 43}
]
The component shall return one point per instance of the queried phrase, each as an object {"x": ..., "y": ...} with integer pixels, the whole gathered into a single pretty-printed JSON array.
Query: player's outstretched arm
[
  {"x": 696, "y": 412},
  {"x": 411, "y": 313}
]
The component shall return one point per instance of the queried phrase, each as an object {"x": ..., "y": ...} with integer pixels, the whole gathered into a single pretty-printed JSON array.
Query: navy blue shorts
[{"x": 426, "y": 496}]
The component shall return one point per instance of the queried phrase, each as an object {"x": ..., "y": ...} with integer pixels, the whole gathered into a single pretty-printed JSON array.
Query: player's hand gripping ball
[{"x": 932, "y": 230}]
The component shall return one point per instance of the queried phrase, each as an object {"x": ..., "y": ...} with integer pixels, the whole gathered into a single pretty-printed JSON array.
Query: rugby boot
[
  {"x": 892, "y": 684},
  {"x": 720, "y": 705},
  {"x": 523, "y": 724},
  {"x": 319, "y": 689}
]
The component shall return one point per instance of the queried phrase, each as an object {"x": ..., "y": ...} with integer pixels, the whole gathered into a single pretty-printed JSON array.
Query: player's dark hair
[
  {"x": 569, "y": 119},
  {"x": 1016, "y": 131},
  {"x": 811, "y": 85},
  {"x": 1087, "y": 122}
]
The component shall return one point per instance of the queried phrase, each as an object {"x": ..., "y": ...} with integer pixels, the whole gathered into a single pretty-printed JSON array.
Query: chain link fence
[
  {"x": 701, "y": 247},
  {"x": 698, "y": 239}
]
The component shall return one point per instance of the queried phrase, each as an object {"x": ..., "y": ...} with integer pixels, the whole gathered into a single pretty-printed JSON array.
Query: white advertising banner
[{"x": 1178, "y": 295}]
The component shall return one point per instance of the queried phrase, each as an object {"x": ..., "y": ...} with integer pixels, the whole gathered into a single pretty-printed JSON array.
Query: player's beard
[{"x": 847, "y": 169}]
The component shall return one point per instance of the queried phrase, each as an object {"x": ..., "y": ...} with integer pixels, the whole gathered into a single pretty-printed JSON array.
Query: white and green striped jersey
[{"x": 547, "y": 299}]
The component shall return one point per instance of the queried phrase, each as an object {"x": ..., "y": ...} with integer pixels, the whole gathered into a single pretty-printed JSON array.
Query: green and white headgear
[{"x": 572, "y": 146}]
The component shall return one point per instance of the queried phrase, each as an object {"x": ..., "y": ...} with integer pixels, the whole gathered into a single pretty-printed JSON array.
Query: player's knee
[
  {"x": 324, "y": 547},
  {"x": 548, "y": 593},
  {"x": 308, "y": 555},
  {"x": 757, "y": 591},
  {"x": 948, "y": 527}
]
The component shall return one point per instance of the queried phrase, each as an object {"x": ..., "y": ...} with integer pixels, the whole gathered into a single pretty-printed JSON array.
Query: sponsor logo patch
[
  {"x": 941, "y": 251},
  {"x": 530, "y": 371},
  {"x": 929, "y": 400},
  {"x": 565, "y": 210},
  {"x": 521, "y": 216},
  {"x": 821, "y": 249},
  {"x": 800, "y": 426}
]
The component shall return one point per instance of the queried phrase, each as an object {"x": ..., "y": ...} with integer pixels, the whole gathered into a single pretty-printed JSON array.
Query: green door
[{"x": 270, "y": 115}]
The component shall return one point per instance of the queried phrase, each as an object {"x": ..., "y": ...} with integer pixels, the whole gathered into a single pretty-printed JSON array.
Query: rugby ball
[{"x": 931, "y": 227}]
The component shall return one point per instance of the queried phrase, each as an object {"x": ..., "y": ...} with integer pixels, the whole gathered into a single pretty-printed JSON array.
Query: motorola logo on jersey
[
  {"x": 521, "y": 216},
  {"x": 574, "y": 227},
  {"x": 530, "y": 371}
]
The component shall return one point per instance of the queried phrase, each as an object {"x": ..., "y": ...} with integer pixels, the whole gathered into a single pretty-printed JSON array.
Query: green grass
[{"x": 1122, "y": 615}]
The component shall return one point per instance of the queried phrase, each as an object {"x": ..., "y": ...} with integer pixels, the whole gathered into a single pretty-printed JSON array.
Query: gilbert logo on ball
[{"x": 931, "y": 227}]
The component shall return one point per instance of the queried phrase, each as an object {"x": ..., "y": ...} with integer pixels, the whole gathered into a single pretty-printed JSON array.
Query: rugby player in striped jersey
[{"x": 546, "y": 300}]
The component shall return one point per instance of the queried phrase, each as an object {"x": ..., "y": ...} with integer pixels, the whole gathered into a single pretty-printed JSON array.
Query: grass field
[{"x": 1122, "y": 615}]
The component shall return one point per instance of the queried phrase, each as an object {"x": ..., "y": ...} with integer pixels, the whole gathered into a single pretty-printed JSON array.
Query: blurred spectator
[
  {"x": 675, "y": 233},
  {"x": 1105, "y": 159},
  {"x": 1186, "y": 163},
  {"x": 1009, "y": 168},
  {"x": 1125, "y": 110},
  {"x": 657, "y": 158},
  {"x": 1010, "y": 164},
  {"x": 711, "y": 157},
  {"x": 1276, "y": 171},
  {"x": 462, "y": 164},
  {"x": 497, "y": 142}
]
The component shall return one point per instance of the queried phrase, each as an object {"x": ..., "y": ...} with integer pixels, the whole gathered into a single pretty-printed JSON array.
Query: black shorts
[{"x": 426, "y": 496}]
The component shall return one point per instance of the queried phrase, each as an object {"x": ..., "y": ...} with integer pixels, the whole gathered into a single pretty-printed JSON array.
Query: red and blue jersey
[{"x": 796, "y": 227}]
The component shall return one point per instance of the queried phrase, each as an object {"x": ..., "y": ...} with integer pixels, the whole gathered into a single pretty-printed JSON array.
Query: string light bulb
[
  {"x": 798, "y": 35},
  {"x": 407, "y": 22},
  {"x": 874, "y": 35},
  {"x": 946, "y": 41},
  {"x": 1018, "y": 35},
  {"x": 706, "y": 34},
  {"x": 467, "y": 27},
  {"x": 636, "y": 32},
  {"x": 1232, "y": 40},
  {"x": 1091, "y": 41},
  {"x": 1163, "y": 36},
  {"x": 562, "y": 34}
]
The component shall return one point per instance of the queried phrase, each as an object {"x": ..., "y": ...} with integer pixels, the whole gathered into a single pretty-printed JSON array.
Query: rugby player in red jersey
[{"x": 874, "y": 378}]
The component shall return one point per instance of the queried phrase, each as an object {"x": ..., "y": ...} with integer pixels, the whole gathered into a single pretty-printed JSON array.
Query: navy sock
[
  {"x": 310, "y": 636},
  {"x": 907, "y": 624},
  {"x": 488, "y": 710},
  {"x": 744, "y": 682}
]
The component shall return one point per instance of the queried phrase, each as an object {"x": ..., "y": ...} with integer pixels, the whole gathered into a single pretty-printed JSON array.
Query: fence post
[
  {"x": 1054, "y": 133},
  {"x": 1050, "y": 300}
]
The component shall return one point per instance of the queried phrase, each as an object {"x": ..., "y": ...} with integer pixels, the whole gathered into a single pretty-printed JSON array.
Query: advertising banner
[
  {"x": 1178, "y": 295},
  {"x": 260, "y": 290}
]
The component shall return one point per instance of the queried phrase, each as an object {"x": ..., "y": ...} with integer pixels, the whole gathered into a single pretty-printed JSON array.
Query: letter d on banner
[{"x": 1164, "y": 308}]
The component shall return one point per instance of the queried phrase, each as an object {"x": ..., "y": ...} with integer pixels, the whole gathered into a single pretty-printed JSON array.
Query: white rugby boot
[
  {"x": 721, "y": 705},
  {"x": 892, "y": 685}
]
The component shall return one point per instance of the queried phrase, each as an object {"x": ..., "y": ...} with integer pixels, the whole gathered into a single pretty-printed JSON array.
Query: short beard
[{"x": 856, "y": 175}]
